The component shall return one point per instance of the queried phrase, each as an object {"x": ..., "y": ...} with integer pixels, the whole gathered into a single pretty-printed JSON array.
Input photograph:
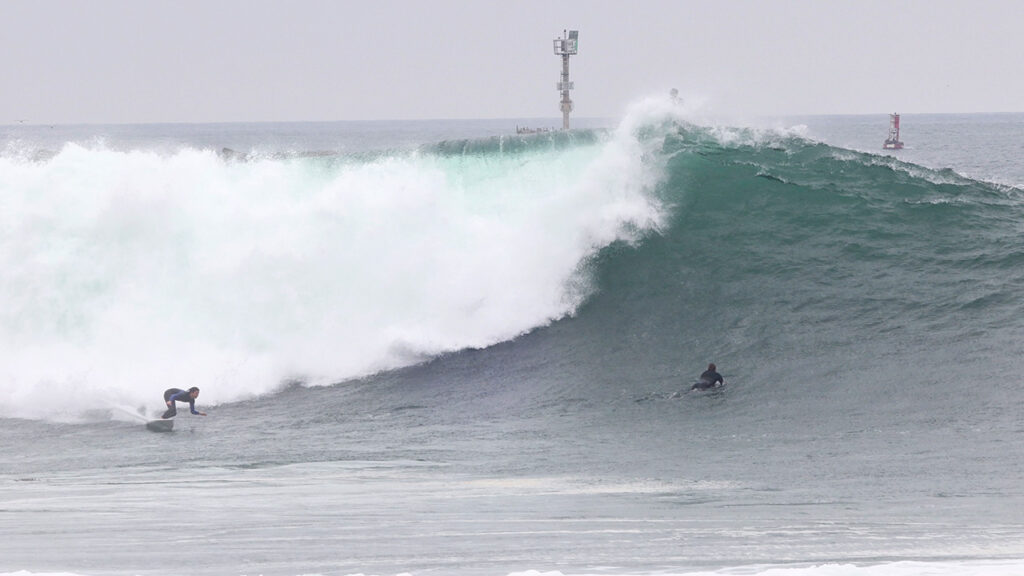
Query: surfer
[
  {"x": 709, "y": 379},
  {"x": 173, "y": 395}
]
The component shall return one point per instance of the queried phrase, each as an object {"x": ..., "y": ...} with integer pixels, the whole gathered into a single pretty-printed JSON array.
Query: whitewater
[
  {"x": 444, "y": 348},
  {"x": 144, "y": 270}
]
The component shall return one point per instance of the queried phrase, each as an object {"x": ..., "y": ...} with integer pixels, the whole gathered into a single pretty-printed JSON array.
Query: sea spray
[{"x": 129, "y": 272}]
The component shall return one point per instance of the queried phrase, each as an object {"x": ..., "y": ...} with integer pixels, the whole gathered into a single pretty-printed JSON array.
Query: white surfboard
[{"x": 160, "y": 425}]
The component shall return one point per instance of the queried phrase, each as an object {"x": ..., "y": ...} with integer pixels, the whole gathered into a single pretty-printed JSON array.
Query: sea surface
[{"x": 442, "y": 348}]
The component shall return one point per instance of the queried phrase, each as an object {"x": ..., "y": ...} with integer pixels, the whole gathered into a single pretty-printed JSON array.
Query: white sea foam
[
  {"x": 903, "y": 568},
  {"x": 126, "y": 273},
  {"x": 1011, "y": 567}
]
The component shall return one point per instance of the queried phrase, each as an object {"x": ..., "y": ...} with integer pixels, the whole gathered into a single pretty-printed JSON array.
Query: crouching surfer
[
  {"x": 709, "y": 379},
  {"x": 173, "y": 395}
]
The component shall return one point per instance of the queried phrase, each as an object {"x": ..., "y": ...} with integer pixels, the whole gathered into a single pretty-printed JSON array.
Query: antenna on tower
[{"x": 565, "y": 47}]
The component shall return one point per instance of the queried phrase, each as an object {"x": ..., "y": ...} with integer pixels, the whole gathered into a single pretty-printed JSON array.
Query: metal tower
[{"x": 565, "y": 47}]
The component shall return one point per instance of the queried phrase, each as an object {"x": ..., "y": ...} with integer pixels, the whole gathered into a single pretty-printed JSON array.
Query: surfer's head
[
  {"x": 193, "y": 391},
  {"x": 710, "y": 367}
]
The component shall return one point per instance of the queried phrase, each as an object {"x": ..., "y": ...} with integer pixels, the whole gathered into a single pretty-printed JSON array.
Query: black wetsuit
[
  {"x": 174, "y": 395},
  {"x": 709, "y": 379}
]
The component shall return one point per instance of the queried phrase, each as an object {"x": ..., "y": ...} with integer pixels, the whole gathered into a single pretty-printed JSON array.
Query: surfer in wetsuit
[
  {"x": 173, "y": 395},
  {"x": 709, "y": 379}
]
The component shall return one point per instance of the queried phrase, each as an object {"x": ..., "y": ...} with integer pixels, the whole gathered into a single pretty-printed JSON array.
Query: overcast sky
[{"x": 69, "y": 61}]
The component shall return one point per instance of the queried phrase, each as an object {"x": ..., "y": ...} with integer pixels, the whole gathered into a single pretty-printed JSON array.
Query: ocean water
[{"x": 441, "y": 348}]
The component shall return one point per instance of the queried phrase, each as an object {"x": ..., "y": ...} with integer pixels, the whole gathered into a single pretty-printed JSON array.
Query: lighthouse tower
[{"x": 565, "y": 47}]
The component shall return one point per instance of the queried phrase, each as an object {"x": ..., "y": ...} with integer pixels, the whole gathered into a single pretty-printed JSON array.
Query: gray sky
[{"x": 67, "y": 61}]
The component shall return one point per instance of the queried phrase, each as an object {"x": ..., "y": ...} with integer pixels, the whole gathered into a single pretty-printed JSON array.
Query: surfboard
[{"x": 160, "y": 425}]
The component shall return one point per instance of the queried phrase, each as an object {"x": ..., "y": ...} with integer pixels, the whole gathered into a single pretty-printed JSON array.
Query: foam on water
[
  {"x": 1010, "y": 567},
  {"x": 128, "y": 272},
  {"x": 904, "y": 568}
]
